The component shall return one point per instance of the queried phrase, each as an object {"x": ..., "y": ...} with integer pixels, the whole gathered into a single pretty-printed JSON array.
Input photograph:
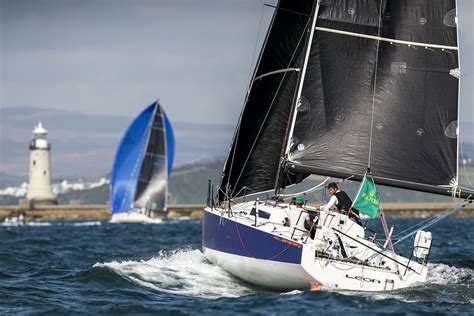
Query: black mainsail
[
  {"x": 382, "y": 96},
  {"x": 151, "y": 192},
  {"x": 378, "y": 94}
]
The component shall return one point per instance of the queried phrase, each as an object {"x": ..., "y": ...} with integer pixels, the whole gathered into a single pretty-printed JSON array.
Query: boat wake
[
  {"x": 442, "y": 279},
  {"x": 439, "y": 273},
  {"x": 183, "y": 272}
]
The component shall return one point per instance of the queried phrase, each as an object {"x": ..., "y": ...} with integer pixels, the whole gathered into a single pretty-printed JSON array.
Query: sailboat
[
  {"x": 143, "y": 162},
  {"x": 359, "y": 90}
]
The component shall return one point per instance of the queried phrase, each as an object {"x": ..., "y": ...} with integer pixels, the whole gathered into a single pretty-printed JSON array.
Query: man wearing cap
[
  {"x": 299, "y": 201},
  {"x": 294, "y": 214}
]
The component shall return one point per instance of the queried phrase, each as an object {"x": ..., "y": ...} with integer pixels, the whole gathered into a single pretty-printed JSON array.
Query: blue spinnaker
[
  {"x": 143, "y": 164},
  {"x": 169, "y": 142},
  {"x": 128, "y": 160}
]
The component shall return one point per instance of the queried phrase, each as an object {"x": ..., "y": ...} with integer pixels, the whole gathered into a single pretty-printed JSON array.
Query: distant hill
[
  {"x": 188, "y": 184},
  {"x": 84, "y": 145},
  {"x": 7, "y": 180}
]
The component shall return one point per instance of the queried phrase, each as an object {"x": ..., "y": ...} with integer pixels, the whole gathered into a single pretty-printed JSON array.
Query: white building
[{"x": 39, "y": 187}]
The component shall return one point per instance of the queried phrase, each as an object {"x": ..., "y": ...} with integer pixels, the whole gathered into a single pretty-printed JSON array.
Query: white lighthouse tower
[{"x": 39, "y": 187}]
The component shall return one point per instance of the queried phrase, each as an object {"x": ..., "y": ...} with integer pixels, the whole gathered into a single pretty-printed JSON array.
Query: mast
[
  {"x": 459, "y": 97},
  {"x": 303, "y": 73}
]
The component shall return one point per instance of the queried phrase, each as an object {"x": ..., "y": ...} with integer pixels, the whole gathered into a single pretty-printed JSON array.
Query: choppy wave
[
  {"x": 441, "y": 278},
  {"x": 183, "y": 272}
]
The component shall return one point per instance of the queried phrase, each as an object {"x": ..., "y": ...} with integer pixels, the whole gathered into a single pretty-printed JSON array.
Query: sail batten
[
  {"x": 385, "y": 39},
  {"x": 276, "y": 72}
]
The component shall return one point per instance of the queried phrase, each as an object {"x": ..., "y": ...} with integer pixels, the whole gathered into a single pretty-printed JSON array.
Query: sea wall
[
  {"x": 87, "y": 212},
  {"x": 195, "y": 211}
]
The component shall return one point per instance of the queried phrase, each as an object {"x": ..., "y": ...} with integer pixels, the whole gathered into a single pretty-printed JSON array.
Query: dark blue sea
[{"x": 101, "y": 268}]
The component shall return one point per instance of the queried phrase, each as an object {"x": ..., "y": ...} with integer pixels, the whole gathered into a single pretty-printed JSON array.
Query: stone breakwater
[
  {"x": 87, "y": 212},
  {"x": 195, "y": 211}
]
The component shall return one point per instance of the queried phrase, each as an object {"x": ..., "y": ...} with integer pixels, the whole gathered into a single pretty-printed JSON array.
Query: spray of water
[{"x": 183, "y": 272}]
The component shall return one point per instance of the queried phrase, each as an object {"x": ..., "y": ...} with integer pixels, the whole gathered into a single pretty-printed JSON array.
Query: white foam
[
  {"x": 439, "y": 273},
  {"x": 96, "y": 223},
  {"x": 184, "y": 272},
  {"x": 38, "y": 224},
  {"x": 294, "y": 292}
]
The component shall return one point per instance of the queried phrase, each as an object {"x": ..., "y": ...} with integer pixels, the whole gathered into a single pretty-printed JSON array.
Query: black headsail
[
  {"x": 152, "y": 186},
  {"x": 259, "y": 141},
  {"x": 381, "y": 95}
]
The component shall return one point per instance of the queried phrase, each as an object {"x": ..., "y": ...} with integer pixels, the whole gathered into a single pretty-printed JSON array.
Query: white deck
[{"x": 364, "y": 265}]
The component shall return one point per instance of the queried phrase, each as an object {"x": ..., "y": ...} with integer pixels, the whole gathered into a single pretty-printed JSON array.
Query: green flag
[{"x": 367, "y": 200}]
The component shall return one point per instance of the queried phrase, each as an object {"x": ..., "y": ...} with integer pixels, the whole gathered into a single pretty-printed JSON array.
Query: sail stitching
[
  {"x": 269, "y": 109},
  {"x": 385, "y": 39}
]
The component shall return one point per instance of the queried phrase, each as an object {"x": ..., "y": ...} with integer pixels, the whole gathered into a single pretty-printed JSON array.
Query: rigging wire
[
  {"x": 435, "y": 220},
  {"x": 426, "y": 223},
  {"x": 375, "y": 84},
  {"x": 464, "y": 166}
]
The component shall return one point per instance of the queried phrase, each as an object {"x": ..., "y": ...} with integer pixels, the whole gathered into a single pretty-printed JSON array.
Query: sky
[{"x": 117, "y": 56}]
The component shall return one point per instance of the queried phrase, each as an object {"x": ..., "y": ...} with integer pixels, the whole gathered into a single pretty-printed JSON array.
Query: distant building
[{"x": 39, "y": 187}]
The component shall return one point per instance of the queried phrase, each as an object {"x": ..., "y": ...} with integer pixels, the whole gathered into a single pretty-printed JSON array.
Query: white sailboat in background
[
  {"x": 366, "y": 90},
  {"x": 143, "y": 162}
]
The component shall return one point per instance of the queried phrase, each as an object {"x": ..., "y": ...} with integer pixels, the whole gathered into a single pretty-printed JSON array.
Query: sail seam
[{"x": 385, "y": 39}]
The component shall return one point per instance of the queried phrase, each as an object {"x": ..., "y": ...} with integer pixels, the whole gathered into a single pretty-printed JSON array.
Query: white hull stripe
[{"x": 389, "y": 40}]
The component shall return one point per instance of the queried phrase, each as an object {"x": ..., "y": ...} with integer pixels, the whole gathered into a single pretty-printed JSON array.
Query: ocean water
[{"x": 101, "y": 268}]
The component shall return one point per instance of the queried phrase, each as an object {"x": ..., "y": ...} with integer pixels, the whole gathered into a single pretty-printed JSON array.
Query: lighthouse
[{"x": 39, "y": 187}]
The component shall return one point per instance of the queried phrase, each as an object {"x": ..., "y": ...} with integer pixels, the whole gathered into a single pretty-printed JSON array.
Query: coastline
[{"x": 195, "y": 211}]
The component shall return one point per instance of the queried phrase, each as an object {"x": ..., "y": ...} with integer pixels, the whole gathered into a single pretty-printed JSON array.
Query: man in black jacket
[{"x": 342, "y": 201}]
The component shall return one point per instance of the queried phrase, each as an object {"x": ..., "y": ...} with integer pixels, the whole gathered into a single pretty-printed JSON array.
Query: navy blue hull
[{"x": 228, "y": 236}]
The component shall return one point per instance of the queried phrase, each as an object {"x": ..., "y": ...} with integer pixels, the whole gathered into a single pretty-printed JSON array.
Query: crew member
[{"x": 342, "y": 201}]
